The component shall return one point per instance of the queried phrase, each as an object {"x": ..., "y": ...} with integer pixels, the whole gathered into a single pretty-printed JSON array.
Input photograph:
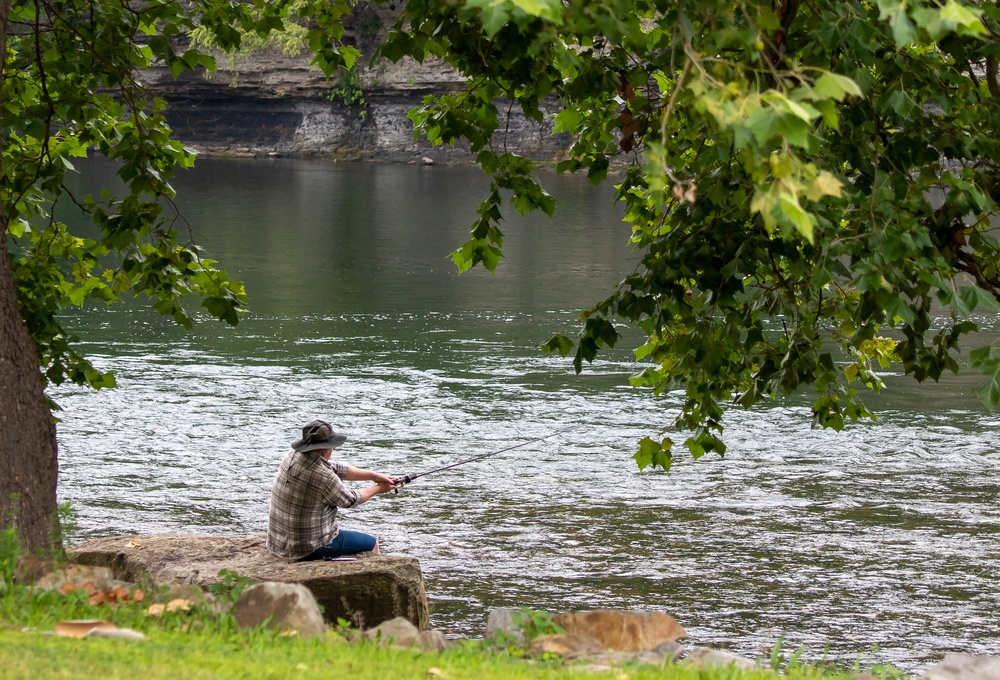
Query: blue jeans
[{"x": 344, "y": 543}]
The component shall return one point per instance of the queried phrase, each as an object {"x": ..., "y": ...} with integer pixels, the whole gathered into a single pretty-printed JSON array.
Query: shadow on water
[{"x": 884, "y": 534}]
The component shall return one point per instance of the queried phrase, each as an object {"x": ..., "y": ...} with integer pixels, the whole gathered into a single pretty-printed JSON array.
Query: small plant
[
  {"x": 777, "y": 657},
  {"x": 348, "y": 90},
  {"x": 345, "y": 628},
  {"x": 230, "y": 587},
  {"x": 533, "y": 623},
  {"x": 67, "y": 522},
  {"x": 10, "y": 552}
]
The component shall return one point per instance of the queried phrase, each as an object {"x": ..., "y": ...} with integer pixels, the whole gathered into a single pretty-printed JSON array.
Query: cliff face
[{"x": 271, "y": 103}]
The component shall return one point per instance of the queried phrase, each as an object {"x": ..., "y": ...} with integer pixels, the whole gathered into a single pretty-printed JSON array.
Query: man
[{"x": 302, "y": 524}]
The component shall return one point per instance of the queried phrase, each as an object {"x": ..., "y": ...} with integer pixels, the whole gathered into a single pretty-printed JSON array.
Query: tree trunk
[{"x": 28, "y": 460}]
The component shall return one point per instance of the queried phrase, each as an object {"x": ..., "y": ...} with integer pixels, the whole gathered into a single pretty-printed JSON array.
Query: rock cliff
[{"x": 270, "y": 103}]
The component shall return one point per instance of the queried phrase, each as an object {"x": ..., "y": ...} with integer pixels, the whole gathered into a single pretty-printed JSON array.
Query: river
[{"x": 874, "y": 545}]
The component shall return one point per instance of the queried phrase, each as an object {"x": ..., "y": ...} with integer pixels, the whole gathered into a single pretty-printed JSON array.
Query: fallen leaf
[
  {"x": 290, "y": 633},
  {"x": 133, "y": 544},
  {"x": 79, "y": 628},
  {"x": 184, "y": 627},
  {"x": 179, "y": 603},
  {"x": 156, "y": 609},
  {"x": 97, "y": 598},
  {"x": 67, "y": 588},
  {"x": 138, "y": 595},
  {"x": 434, "y": 670}
]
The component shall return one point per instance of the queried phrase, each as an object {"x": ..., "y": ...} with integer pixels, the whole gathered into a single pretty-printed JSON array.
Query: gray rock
[
  {"x": 398, "y": 631},
  {"x": 708, "y": 657},
  {"x": 432, "y": 640},
  {"x": 965, "y": 667},
  {"x": 285, "y": 606},
  {"x": 366, "y": 591},
  {"x": 501, "y": 620},
  {"x": 184, "y": 591},
  {"x": 669, "y": 651}
]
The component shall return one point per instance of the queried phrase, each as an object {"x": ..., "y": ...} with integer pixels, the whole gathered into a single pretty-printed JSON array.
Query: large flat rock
[{"x": 366, "y": 592}]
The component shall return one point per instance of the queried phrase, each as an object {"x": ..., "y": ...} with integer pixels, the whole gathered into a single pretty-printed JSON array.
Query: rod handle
[{"x": 401, "y": 482}]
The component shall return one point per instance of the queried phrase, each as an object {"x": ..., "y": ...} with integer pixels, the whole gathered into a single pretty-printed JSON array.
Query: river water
[{"x": 874, "y": 545}]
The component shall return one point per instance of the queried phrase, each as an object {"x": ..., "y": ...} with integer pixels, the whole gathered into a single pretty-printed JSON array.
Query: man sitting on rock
[{"x": 302, "y": 523}]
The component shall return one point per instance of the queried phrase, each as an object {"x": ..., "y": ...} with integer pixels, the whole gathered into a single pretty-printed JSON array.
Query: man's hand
[
  {"x": 371, "y": 491},
  {"x": 379, "y": 478},
  {"x": 360, "y": 475},
  {"x": 385, "y": 487}
]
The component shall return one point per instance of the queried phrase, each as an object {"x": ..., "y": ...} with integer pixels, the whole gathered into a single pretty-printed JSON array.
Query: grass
[
  {"x": 166, "y": 654},
  {"x": 204, "y": 643}
]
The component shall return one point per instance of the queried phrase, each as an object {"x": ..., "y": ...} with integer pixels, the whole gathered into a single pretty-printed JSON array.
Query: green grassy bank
[
  {"x": 204, "y": 641},
  {"x": 200, "y": 655}
]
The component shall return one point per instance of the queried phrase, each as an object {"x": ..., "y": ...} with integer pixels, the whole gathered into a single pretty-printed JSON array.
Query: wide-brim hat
[{"x": 318, "y": 435}]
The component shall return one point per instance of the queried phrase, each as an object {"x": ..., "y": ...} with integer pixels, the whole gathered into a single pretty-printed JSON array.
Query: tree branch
[{"x": 991, "y": 76}]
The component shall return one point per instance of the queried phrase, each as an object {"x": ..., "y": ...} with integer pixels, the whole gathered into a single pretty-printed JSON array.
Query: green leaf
[
  {"x": 790, "y": 209},
  {"x": 655, "y": 453},
  {"x": 495, "y": 14},
  {"x": 549, "y": 9},
  {"x": 559, "y": 343},
  {"x": 837, "y": 87},
  {"x": 903, "y": 31}
]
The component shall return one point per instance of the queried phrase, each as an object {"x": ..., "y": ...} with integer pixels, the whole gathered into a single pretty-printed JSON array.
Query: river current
[{"x": 874, "y": 545}]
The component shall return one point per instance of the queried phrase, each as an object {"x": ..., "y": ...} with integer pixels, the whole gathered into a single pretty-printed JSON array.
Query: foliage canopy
[{"x": 800, "y": 177}]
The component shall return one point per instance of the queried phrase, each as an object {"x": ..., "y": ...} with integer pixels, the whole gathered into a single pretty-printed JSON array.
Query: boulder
[
  {"x": 366, "y": 591},
  {"x": 965, "y": 667},
  {"x": 285, "y": 606},
  {"x": 623, "y": 631},
  {"x": 432, "y": 640},
  {"x": 397, "y": 631}
]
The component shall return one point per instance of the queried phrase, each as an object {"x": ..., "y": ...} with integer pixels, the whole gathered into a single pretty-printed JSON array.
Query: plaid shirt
[{"x": 304, "y": 502}]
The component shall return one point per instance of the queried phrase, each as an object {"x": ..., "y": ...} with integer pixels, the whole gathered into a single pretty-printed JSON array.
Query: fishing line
[{"x": 406, "y": 479}]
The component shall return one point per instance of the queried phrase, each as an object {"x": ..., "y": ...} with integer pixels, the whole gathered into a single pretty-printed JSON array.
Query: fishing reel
[{"x": 401, "y": 482}]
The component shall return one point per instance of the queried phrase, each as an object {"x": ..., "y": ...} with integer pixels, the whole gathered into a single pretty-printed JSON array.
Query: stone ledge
[{"x": 366, "y": 592}]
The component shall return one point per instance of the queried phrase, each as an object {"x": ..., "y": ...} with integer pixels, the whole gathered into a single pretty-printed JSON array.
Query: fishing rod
[{"x": 406, "y": 479}]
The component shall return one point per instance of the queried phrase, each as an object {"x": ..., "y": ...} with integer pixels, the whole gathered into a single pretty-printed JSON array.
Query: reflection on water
[{"x": 882, "y": 535}]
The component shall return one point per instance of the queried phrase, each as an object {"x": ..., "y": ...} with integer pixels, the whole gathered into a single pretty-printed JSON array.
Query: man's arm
[
  {"x": 370, "y": 491},
  {"x": 358, "y": 475},
  {"x": 383, "y": 483}
]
